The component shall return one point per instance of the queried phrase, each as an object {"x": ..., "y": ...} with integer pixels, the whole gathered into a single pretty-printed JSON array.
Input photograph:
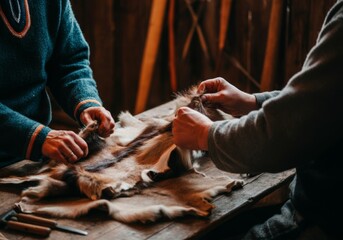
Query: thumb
[
  {"x": 86, "y": 119},
  {"x": 201, "y": 88},
  {"x": 211, "y": 97}
]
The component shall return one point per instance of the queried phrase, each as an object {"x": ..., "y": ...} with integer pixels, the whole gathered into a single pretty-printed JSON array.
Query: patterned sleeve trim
[
  {"x": 32, "y": 141},
  {"x": 84, "y": 102}
]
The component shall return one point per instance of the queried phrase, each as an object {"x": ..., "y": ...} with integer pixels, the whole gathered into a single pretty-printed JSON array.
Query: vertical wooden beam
[
  {"x": 150, "y": 52},
  {"x": 97, "y": 25},
  {"x": 273, "y": 46},
  {"x": 171, "y": 46},
  {"x": 103, "y": 49},
  {"x": 224, "y": 22}
]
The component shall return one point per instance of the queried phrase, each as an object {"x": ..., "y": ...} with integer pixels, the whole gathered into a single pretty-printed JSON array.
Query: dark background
[{"x": 116, "y": 31}]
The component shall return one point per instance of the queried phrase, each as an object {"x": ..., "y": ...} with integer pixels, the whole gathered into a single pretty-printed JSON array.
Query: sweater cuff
[
  {"x": 34, "y": 148},
  {"x": 260, "y": 98},
  {"x": 81, "y": 106}
]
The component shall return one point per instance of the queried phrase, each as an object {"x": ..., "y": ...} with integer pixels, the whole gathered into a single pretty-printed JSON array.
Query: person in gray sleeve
[{"x": 298, "y": 127}]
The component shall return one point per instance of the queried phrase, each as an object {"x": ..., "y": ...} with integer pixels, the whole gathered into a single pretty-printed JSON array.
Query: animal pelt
[{"x": 137, "y": 174}]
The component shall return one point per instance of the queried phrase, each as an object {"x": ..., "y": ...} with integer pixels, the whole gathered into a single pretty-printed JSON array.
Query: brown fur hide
[{"x": 137, "y": 174}]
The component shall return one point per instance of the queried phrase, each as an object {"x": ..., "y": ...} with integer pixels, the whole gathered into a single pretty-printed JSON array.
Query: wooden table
[{"x": 100, "y": 227}]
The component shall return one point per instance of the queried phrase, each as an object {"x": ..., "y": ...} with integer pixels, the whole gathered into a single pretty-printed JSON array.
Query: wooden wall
[{"x": 117, "y": 29}]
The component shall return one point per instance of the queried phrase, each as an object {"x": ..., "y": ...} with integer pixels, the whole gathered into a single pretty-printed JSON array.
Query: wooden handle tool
[
  {"x": 28, "y": 228},
  {"x": 48, "y": 223},
  {"x": 22, "y": 217}
]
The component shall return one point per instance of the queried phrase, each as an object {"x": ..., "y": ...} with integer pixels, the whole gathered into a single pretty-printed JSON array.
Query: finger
[
  {"x": 58, "y": 156},
  {"x": 209, "y": 86},
  {"x": 175, "y": 130},
  {"x": 106, "y": 125},
  {"x": 82, "y": 145},
  {"x": 67, "y": 154},
  {"x": 86, "y": 119},
  {"x": 181, "y": 111},
  {"x": 211, "y": 97},
  {"x": 108, "y": 133},
  {"x": 71, "y": 158},
  {"x": 201, "y": 88},
  {"x": 71, "y": 151},
  {"x": 78, "y": 146}
]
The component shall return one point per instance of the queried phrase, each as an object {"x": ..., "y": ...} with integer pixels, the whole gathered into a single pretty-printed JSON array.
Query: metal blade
[{"x": 70, "y": 229}]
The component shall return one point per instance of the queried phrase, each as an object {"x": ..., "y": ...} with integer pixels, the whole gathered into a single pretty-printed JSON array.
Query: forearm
[
  {"x": 277, "y": 137},
  {"x": 20, "y": 136},
  {"x": 293, "y": 127},
  {"x": 71, "y": 80}
]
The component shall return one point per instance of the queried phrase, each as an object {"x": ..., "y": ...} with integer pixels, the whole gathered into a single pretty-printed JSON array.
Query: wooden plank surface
[{"x": 100, "y": 226}]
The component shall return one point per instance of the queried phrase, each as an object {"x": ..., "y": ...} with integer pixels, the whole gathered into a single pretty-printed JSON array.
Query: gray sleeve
[
  {"x": 262, "y": 97},
  {"x": 294, "y": 126}
]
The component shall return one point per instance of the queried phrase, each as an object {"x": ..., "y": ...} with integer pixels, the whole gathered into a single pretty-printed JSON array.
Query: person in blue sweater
[
  {"x": 298, "y": 127},
  {"x": 42, "y": 47}
]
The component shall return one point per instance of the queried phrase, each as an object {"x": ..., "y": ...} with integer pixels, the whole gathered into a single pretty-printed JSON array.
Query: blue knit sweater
[{"x": 41, "y": 45}]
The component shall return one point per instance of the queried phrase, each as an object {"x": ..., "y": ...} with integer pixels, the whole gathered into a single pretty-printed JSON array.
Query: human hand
[
  {"x": 227, "y": 97},
  {"x": 64, "y": 146},
  {"x": 190, "y": 129},
  {"x": 102, "y": 116}
]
